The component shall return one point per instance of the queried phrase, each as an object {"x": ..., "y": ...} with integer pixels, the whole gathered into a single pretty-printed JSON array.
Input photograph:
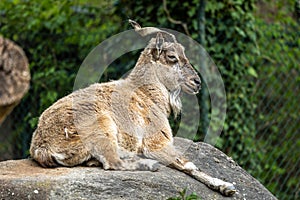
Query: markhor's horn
[{"x": 150, "y": 31}]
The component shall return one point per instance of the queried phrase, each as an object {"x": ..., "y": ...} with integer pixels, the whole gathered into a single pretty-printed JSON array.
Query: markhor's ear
[{"x": 159, "y": 43}]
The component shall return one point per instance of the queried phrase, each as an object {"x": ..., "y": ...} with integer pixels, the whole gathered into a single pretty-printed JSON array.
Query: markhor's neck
[
  {"x": 144, "y": 76},
  {"x": 143, "y": 72}
]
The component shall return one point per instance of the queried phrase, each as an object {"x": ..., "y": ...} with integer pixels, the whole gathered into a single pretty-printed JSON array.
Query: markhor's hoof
[{"x": 228, "y": 189}]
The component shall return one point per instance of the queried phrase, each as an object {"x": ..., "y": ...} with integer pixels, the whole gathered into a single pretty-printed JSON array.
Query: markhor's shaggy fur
[{"x": 123, "y": 124}]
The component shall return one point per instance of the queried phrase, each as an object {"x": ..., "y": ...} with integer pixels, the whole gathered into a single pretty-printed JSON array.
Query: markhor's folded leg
[
  {"x": 136, "y": 164},
  {"x": 100, "y": 138}
]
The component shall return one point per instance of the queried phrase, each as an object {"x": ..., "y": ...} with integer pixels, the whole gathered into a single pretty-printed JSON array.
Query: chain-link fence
[
  {"x": 277, "y": 121},
  {"x": 278, "y": 127}
]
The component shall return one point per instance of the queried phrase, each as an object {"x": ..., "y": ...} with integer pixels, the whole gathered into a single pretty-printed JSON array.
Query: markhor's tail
[{"x": 43, "y": 155}]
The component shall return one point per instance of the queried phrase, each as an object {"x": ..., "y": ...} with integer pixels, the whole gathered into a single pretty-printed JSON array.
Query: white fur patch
[
  {"x": 66, "y": 132},
  {"x": 217, "y": 182},
  {"x": 59, "y": 156},
  {"x": 190, "y": 166}
]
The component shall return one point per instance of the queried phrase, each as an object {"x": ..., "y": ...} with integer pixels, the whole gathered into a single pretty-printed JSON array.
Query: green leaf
[{"x": 252, "y": 72}]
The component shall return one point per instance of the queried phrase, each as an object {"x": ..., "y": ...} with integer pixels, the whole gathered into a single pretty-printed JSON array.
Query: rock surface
[{"x": 24, "y": 179}]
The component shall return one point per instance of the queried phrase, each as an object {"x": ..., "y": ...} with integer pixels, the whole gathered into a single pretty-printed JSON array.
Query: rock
[
  {"x": 24, "y": 179},
  {"x": 14, "y": 76}
]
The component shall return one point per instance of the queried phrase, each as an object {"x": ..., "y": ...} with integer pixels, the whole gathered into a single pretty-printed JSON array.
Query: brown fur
[{"x": 115, "y": 121}]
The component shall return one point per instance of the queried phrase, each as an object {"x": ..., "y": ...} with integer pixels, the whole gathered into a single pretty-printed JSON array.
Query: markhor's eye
[{"x": 172, "y": 58}]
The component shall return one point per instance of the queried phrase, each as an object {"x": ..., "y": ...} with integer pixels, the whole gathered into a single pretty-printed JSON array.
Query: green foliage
[
  {"x": 183, "y": 196},
  {"x": 231, "y": 41},
  {"x": 56, "y": 36},
  {"x": 278, "y": 40}
]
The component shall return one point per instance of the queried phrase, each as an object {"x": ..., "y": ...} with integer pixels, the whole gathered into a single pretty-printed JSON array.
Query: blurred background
[{"x": 255, "y": 44}]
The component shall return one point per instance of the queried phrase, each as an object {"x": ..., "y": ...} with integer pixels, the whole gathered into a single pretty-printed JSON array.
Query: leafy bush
[
  {"x": 56, "y": 36},
  {"x": 277, "y": 125},
  {"x": 184, "y": 196}
]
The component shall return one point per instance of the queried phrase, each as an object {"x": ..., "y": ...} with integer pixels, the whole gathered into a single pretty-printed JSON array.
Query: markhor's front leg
[{"x": 225, "y": 188}]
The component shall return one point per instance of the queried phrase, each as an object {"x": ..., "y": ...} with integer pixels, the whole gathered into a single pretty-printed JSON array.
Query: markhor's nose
[{"x": 197, "y": 81}]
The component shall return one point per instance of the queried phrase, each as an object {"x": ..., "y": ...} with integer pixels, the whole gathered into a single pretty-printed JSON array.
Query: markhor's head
[{"x": 173, "y": 67}]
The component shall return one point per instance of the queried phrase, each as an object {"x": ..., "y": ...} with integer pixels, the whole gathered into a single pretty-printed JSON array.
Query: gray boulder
[{"x": 24, "y": 179}]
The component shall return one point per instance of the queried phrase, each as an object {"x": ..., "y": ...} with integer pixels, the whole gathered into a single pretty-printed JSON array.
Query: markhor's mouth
[{"x": 190, "y": 89}]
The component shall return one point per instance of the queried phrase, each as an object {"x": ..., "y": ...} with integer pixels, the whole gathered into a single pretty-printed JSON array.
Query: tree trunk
[{"x": 14, "y": 76}]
